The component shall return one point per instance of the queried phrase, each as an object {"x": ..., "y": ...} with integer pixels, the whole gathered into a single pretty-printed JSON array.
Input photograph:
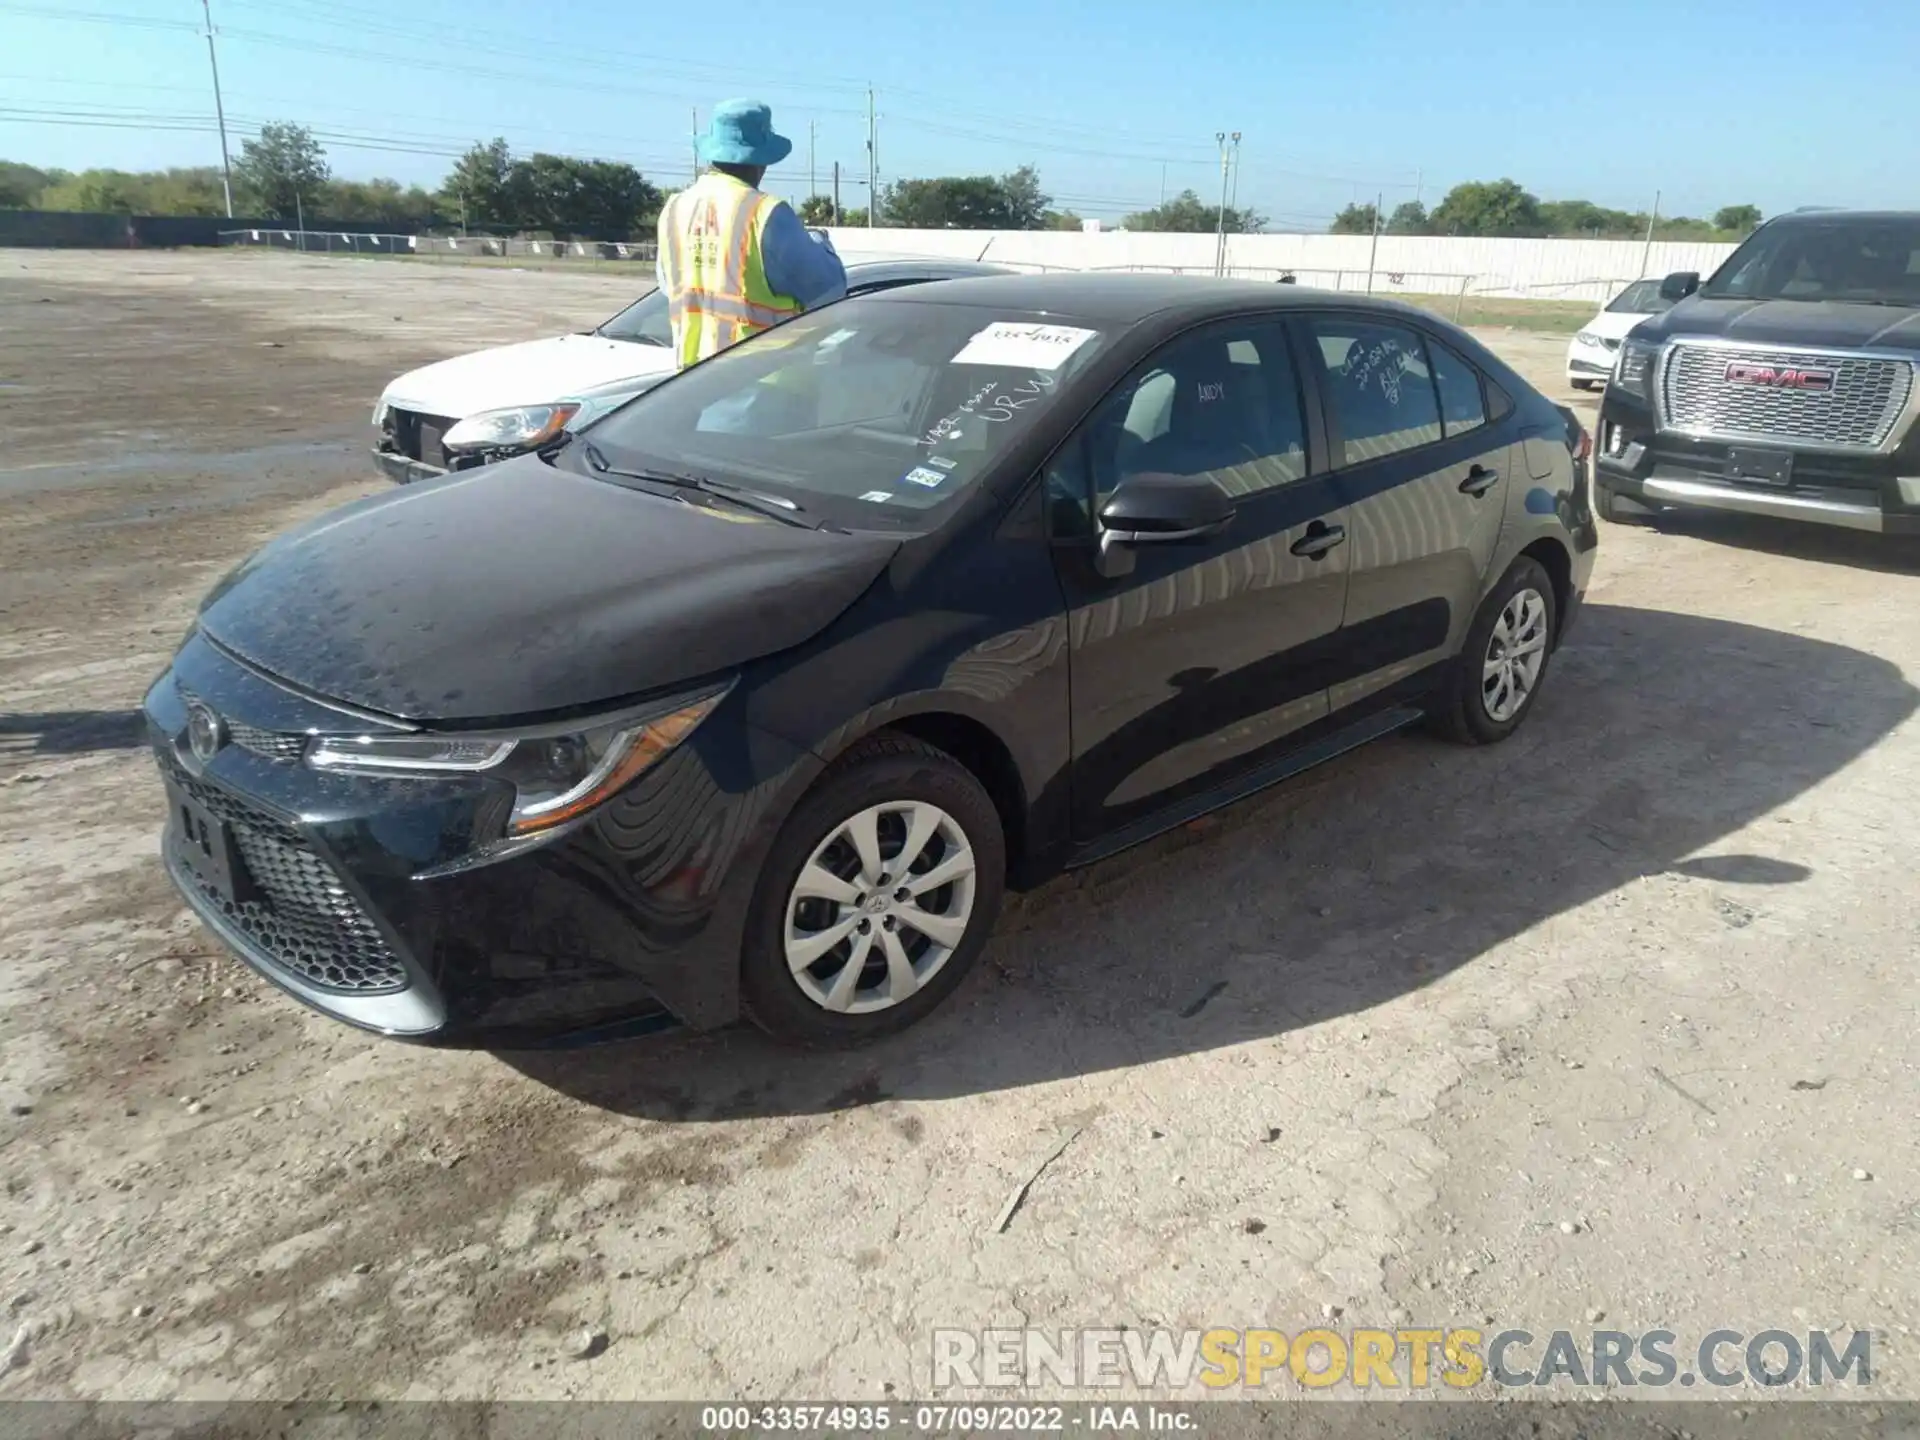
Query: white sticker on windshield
[
  {"x": 1022, "y": 346},
  {"x": 941, "y": 461},
  {"x": 878, "y": 497},
  {"x": 920, "y": 475}
]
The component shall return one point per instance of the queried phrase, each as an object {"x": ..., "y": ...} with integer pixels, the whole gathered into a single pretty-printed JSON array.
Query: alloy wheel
[
  {"x": 1516, "y": 651},
  {"x": 879, "y": 907}
]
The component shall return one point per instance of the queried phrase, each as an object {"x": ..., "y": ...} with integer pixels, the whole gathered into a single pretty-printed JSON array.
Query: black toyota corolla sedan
[{"x": 753, "y": 697}]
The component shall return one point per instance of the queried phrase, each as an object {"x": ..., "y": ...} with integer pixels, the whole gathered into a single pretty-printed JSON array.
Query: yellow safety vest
[{"x": 717, "y": 291}]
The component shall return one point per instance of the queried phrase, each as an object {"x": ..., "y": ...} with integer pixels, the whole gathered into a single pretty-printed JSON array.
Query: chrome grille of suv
[
  {"x": 1857, "y": 413},
  {"x": 303, "y": 918}
]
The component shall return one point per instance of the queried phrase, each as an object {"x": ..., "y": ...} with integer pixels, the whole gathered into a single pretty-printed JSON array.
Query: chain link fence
[{"x": 344, "y": 242}]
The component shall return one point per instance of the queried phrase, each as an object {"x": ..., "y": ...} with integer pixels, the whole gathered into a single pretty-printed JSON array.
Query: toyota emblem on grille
[
  {"x": 205, "y": 732},
  {"x": 1778, "y": 377}
]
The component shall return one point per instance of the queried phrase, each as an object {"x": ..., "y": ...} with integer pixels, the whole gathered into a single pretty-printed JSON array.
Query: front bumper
[
  {"x": 1879, "y": 494},
  {"x": 631, "y": 920},
  {"x": 1589, "y": 362},
  {"x": 404, "y": 470}
]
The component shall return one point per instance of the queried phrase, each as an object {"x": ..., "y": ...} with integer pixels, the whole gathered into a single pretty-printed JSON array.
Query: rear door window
[{"x": 1379, "y": 387}]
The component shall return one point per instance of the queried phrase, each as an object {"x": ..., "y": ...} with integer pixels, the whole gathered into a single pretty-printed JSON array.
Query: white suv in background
[
  {"x": 514, "y": 398},
  {"x": 1591, "y": 355}
]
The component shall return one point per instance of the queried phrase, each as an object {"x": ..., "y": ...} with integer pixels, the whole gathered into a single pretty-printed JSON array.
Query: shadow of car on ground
[
  {"x": 1826, "y": 544},
  {"x": 1658, "y": 739}
]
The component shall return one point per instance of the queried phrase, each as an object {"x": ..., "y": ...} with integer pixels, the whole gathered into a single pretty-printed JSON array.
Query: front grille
[
  {"x": 418, "y": 436},
  {"x": 301, "y": 917},
  {"x": 1858, "y": 413},
  {"x": 273, "y": 744}
]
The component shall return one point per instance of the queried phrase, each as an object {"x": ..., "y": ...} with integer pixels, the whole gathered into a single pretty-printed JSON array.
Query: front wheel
[
  {"x": 1503, "y": 663},
  {"x": 877, "y": 897}
]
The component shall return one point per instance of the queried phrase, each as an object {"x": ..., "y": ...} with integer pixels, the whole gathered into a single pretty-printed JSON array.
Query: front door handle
[
  {"x": 1319, "y": 539},
  {"x": 1479, "y": 480}
]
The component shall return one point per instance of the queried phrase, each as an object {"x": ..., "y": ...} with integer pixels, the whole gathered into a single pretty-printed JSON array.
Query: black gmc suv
[{"x": 1788, "y": 384}]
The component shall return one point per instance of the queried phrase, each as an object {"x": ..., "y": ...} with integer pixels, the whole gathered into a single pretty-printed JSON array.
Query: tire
[
  {"x": 1475, "y": 712},
  {"x": 896, "y": 783}
]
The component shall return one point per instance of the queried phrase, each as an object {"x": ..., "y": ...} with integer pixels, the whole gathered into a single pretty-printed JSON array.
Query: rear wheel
[
  {"x": 877, "y": 898},
  {"x": 1503, "y": 663}
]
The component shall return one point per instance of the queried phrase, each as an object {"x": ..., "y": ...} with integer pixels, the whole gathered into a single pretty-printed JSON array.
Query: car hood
[
  {"x": 520, "y": 589},
  {"x": 1788, "y": 322},
  {"x": 531, "y": 373},
  {"x": 1611, "y": 324}
]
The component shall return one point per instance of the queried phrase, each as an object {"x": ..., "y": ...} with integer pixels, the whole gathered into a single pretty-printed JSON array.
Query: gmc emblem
[{"x": 1778, "y": 377}]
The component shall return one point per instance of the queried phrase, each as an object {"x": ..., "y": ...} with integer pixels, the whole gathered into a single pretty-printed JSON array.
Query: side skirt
[{"x": 1327, "y": 747}]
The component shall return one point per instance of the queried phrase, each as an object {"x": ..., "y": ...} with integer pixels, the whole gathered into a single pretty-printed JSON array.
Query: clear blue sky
[{"x": 1708, "y": 101}]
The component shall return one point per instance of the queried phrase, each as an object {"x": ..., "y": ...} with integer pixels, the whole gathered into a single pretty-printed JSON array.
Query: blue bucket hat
[{"x": 741, "y": 133}]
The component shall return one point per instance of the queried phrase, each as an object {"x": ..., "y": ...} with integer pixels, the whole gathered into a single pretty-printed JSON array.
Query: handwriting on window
[{"x": 996, "y": 402}]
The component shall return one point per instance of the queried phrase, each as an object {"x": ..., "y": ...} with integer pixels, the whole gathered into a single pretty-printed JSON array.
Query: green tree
[
  {"x": 968, "y": 202},
  {"x": 283, "y": 169},
  {"x": 1355, "y": 220},
  {"x": 1409, "y": 218},
  {"x": 20, "y": 185},
  {"x": 192, "y": 191},
  {"x": 1026, "y": 203},
  {"x": 477, "y": 189},
  {"x": 379, "y": 199},
  {"x": 1061, "y": 220},
  {"x": 816, "y": 210},
  {"x": 1488, "y": 207},
  {"x": 1740, "y": 219},
  {"x": 1187, "y": 214},
  {"x": 602, "y": 199}
]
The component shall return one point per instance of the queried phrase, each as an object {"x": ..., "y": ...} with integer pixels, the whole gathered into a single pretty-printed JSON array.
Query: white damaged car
[
  {"x": 1591, "y": 353},
  {"x": 478, "y": 408}
]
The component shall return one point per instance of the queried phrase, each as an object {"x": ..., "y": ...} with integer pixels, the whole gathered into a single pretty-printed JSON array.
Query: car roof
[
  {"x": 1817, "y": 216},
  {"x": 1119, "y": 298},
  {"x": 873, "y": 272}
]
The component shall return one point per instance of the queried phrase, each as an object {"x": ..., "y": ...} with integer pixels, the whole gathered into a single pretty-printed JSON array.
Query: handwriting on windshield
[
  {"x": 995, "y": 403},
  {"x": 1385, "y": 359}
]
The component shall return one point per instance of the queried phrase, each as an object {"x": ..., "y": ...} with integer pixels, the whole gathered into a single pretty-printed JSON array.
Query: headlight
[
  {"x": 1586, "y": 337},
  {"x": 522, "y": 427},
  {"x": 557, "y": 776},
  {"x": 1634, "y": 365}
]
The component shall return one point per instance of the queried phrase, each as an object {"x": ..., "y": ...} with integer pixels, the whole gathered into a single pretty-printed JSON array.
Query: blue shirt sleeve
[{"x": 796, "y": 263}]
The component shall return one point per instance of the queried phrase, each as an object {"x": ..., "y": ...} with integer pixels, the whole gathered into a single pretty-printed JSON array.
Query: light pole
[{"x": 1220, "y": 228}]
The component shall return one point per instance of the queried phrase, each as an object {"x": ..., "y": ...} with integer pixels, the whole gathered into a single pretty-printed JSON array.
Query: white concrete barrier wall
[{"x": 1587, "y": 270}]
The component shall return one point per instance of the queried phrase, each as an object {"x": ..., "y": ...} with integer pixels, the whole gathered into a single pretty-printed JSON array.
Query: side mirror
[
  {"x": 1679, "y": 285},
  {"x": 1155, "y": 509}
]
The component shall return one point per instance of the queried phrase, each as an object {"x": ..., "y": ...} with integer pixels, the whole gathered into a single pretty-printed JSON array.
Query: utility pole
[
  {"x": 1374, "y": 249},
  {"x": 1220, "y": 229},
  {"x": 813, "y": 136},
  {"x": 873, "y": 163},
  {"x": 696, "y": 145},
  {"x": 1419, "y": 184},
  {"x": 219, "y": 109},
  {"x": 836, "y": 192},
  {"x": 1646, "y": 253},
  {"x": 1234, "y": 203},
  {"x": 1163, "y": 182}
]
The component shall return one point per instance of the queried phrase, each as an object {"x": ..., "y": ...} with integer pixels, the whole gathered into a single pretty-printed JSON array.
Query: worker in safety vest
[{"x": 733, "y": 260}]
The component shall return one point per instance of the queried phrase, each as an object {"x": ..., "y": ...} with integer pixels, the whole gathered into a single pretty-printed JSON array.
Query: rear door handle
[
  {"x": 1319, "y": 539},
  {"x": 1479, "y": 480}
]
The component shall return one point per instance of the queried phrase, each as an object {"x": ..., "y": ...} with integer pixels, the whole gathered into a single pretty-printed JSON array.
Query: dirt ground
[{"x": 1617, "y": 1021}]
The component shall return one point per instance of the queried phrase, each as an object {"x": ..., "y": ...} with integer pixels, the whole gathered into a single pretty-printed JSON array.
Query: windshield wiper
[{"x": 755, "y": 500}]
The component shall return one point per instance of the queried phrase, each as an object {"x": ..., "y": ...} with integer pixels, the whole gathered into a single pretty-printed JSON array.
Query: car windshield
[
  {"x": 642, "y": 323},
  {"x": 1640, "y": 298},
  {"x": 881, "y": 407},
  {"x": 1871, "y": 261}
]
